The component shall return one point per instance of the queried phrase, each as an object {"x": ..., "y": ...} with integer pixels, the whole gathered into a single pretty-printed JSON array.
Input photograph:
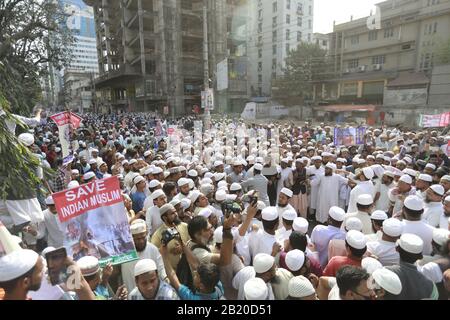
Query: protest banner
[
  {"x": 349, "y": 136},
  {"x": 434, "y": 121},
  {"x": 94, "y": 222},
  {"x": 66, "y": 122}
]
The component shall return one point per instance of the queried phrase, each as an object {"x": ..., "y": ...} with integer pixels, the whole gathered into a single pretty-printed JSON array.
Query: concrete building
[
  {"x": 151, "y": 53},
  {"x": 390, "y": 66},
  {"x": 322, "y": 40},
  {"x": 79, "y": 87},
  {"x": 277, "y": 27}
]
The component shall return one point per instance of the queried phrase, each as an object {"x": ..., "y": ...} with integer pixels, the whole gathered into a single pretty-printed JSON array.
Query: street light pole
[{"x": 207, "y": 115}]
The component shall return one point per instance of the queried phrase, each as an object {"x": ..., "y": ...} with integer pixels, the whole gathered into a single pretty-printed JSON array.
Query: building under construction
[{"x": 151, "y": 53}]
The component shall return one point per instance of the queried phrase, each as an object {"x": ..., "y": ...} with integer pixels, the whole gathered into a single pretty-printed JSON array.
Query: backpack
[{"x": 183, "y": 272}]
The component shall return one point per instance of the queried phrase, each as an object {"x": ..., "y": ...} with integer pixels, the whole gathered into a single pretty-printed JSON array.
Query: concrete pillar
[{"x": 360, "y": 89}]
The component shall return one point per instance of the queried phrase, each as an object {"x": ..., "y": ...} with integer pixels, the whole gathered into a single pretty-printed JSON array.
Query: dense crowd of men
[{"x": 242, "y": 211}]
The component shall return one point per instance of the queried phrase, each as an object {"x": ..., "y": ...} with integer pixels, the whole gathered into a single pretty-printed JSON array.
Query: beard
[
  {"x": 35, "y": 286},
  {"x": 176, "y": 221},
  {"x": 141, "y": 248},
  {"x": 427, "y": 200},
  {"x": 275, "y": 280},
  {"x": 328, "y": 174},
  {"x": 282, "y": 205}
]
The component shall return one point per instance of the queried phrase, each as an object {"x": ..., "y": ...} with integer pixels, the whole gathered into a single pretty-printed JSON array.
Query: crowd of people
[{"x": 242, "y": 211}]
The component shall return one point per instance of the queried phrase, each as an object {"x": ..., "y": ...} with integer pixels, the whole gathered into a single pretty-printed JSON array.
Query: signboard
[
  {"x": 349, "y": 136},
  {"x": 434, "y": 121},
  {"x": 166, "y": 110},
  {"x": 95, "y": 223},
  {"x": 208, "y": 99},
  {"x": 222, "y": 75},
  {"x": 66, "y": 121}
]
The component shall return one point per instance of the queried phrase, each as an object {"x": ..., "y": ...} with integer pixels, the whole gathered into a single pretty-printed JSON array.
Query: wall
[
  {"x": 405, "y": 97},
  {"x": 440, "y": 86}
]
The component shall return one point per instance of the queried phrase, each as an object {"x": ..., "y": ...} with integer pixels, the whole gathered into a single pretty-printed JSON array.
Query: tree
[
  {"x": 304, "y": 65},
  {"x": 33, "y": 36}
]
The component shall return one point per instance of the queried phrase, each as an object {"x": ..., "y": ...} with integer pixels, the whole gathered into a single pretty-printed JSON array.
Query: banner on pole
[
  {"x": 208, "y": 99},
  {"x": 67, "y": 122},
  {"x": 349, "y": 136},
  {"x": 94, "y": 221},
  {"x": 434, "y": 121}
]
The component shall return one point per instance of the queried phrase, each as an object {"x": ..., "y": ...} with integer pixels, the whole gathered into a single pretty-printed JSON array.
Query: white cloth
[
  {"x": 242, "y": 277},
  {"x": 52, "y": 228},
  {"x": 432, "y": 213},
  {"x": 153, "y": 220},
  {"x": 148, "y": 203},
  {"x": 363, "y": 187},
  {"x": 314, "y": 196},
  {"x": 150, "y": 252},
  {"x": 260, "y": 242},
  {"x": 443, "y": 222},
  {"x": 365, "y": 219},
  {"x": 23, "y": 211},
  {"x": 385, "y": 252},
  {"x": 282, "y": 235},
  {"x": 432, "y": 271},
  {"x": 422, "y": 230},
  {"x": 328, "y": 194},
  {"x": 383, "y": 202}
]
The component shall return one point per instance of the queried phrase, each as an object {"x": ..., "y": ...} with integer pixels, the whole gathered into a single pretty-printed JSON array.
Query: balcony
[{"x": 193, "y": 33}]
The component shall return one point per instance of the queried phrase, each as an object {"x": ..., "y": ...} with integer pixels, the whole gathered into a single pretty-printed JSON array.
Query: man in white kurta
[
  {"x": 284, "y": 175},
  {"x": 262, "y": 241},
  {"x": 363, "y": 210},
  {"x": 328, "y": 187},
  {"x": 315, "y": 172},
  {"x": 433, "y": 205},
  {"x": 364, "y": 186},
  {"x": 384, "y": 249},
  {"x": 51, "y": 226}
]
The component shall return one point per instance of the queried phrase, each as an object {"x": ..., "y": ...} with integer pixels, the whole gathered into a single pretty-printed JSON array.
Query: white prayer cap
[
  {"x": 413, "y": 203},
  {"x": 185, "y": 203},
  {"x": 263, "y": 262},
  {"x": 92, "y": 161},
  {"x": 261, "y": 205},
  {"x": 406, "y": 179},
  {"x": 342, "y": 160},
  {"x": 295, "y": 260},
  {"x": 430, "y": 166},
  {"x": 301, "y": 225},
  {"x": 255, "y": 289},
  {"x": 411, "y": 172},
  {"x": 218, "y": 163},
  {"x": 410, "y": 243},
  {"x": 17, "y": 263},
  {"x": 124, "y": 162},
  {"x": 88, "y": 175},
  {"x": 191, "y": 183},
  {"x": 440, "y": 236},
  {"x": 326, "y": 154},
  {"x": 368, "y": 173},
  {"x": 388, "y": 280},
  {"x": 370, "y": 264},
  {"x": 438, "y": 189},
  {"x": 425, "y": 177},
  {"x": 360, "y": 161},
  {"x": 49, "y": 200},
  {"x": 75, "y": 171},
  {"x": 206, "y": 181},
  {"x": 88, "y": 265},
  {"x": 235, "y": 187},
  {"x": 269, "y": 214},
  {"x": 356, "y": 239},
  {"x": 258, "y": 166},
  {"x": 316, "y": 158},
  {"x": 133, "y": 161},
  {"x": 94, "y": 150},
  {"x": 331, "y": 166},
  {"x": 378, "y": 215},
  {"x": 353, "y": 223},
  {"x": 289, "y": 215},
  {"x": 206, "y": 212},
  {"x": 219, "y": 176},
  {"x": 144, "y": 266},
  {"x": 165, "y": 208},
  {"x": 154, "y": 183},
  {"x": 392, "y": 227},
  {"x": 287, "y": 192},
  {"x": 138, "y": 179},
  {"x": 47, "y": 250},
  {"x": 222, "y": 184},
  {"x": 251, "y": 159},
  {"x": 27, "y": 139},
  {"x": 193, "y": 173},
  {"x": 175, "y": 202},
  {"x": 156, "y": 194},
  {"x": 446, "y": 178},
  {"x": 194, "y": 195},
  {"x": 147, "y": 153},
  {"x": 259, "y": 159},
  {"x": 73, "y": 184},
  {"x": 206, "y": 188},
  {"x": 285, "y": 160},
  {"x": 157, "y": 170},
  {"x": 337, "y": 213},
  {"x": 182, "y": 182},
  {"x": 148, "y": 171},
  {"x": 182, "y": 168},
  {"x": 221, "y": 195},
  {"x": 300, "y": 287},
  {"x": 138, "y": 226},
  {"x": 364, "y": 199}
]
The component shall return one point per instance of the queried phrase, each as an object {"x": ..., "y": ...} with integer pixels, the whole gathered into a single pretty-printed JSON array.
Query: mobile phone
[{"x": 57, "y": 270}]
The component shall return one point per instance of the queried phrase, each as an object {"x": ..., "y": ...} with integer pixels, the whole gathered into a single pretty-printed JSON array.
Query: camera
[
  {"x": 231, "y": 206},
  {"x": 168, "y": 235}
]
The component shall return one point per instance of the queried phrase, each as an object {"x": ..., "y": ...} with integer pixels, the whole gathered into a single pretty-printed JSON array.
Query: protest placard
[
  {"x": 434, "y": 121},
  {"x": 349, "y": 136},
  {"x": 66, "y": 122},
  {"x": 94, "y": 221}
]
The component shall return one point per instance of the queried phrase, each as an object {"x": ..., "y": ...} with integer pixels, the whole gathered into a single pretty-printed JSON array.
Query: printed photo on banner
[
  {"x": 349, "y": 136},
  {"x": 95, "y": 223}
]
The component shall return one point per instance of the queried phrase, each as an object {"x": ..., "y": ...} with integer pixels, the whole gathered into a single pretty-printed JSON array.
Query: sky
[{"x": 325, "y": 11}]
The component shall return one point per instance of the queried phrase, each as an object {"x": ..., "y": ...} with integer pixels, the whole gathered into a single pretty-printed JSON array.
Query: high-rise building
[
  {"x": 151, "y": 53},
  {"x": 277, "y": 28}
]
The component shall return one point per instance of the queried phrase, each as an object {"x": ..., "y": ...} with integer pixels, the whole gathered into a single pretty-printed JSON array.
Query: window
[
  {"x": 260, "y": 39},
  {"x": 260, "y": 66},
  {"x": 373, "y": 35},
  {"x": 406, "y": 47},
  {"x": 259, "y": 53},
  {"x": 299, "y": 21},
  {"x": 299, "y": 36},
  {"x": 310, "y": 10},
  {"x": 274, "y": 21},
  {"x": 353, "y": 63},
  {"x": 309, "y": 24},
  {"x": 274, "y": 36},
  {"x": 274, "y": 64},
  {"x": 288, "y": 4},
  {"x": 388, "y": 32},
  {"x": 354, "y": 40},
  {"x": 274, "y": 7},
  {"x": 288, "y": 34},
  {"x": 288, "y": 18},
  {"x": 259, "y": 78},
  {"x": 274, "y": 49},
  {"x": 435, "y": 27},
  {"x": 324, "y": 43},
  {"x": 259, "y": 27},
  {"x": 378, "y": 59},
  {"x": 288, "y": 47},
  {"x": 309, "y": 37},
  {"x": 260, "y": 14}
]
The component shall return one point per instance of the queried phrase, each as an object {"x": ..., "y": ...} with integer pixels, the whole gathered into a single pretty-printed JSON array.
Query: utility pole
[{"x": 207, "y": 115}]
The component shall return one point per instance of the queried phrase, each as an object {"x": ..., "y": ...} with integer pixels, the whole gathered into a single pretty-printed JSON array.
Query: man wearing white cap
[
  {"x": 322, "y": 235},
  {"x": 398, "y": 194},
  {"x": 433, "y": 205},
  {"x": 423, "y": 182},
  {"x": 300, "y": 288},
  {"x": 284, "y": 175},
  {"x": 237, "y": 175},
  {"x": 384, "y": 249},
  {"x": 364, "y": 205},
  {"x": 152, "y": 185},
  {"x": 287, "y": 220},
  {"x": 184, "y": 190},
  {"x": 297, "y": 182},
  {"x": 445, "y": 217},
  {"x": 152, "y": 215},
  {"x": 134, "y": 172},
  {"x": 386, "y": 284},
  {"x": 259, "y": 183},
  {"x": 328, "y": 189},
  {"x": 314, "y": 172},
  {"x": 256, "y": 289},
  {"x": 283, "y": 202},
  {"x": 355, "y": 243},
  {"x": 149, "y": 285},
  {"x": 412, "y": 222},
  {"x": 415, "y": 286},
  {"x": 263, "y": 241},
  {"x": 51, "y": 227},
  {"x": 445, "y": 182},
  {"x": 145, "y": 250},
  {"x": 382, "y": 189},
  {"x": 364, "y": 186},
  {"x": 263, "y": 267}
]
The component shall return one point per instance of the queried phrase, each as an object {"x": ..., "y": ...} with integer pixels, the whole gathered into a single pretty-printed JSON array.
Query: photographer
[
  {"x": 201, "y": 232},
  {"x": 172, "y": 227}
]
